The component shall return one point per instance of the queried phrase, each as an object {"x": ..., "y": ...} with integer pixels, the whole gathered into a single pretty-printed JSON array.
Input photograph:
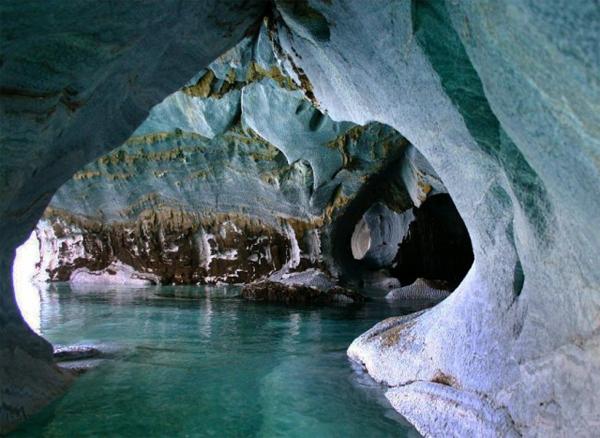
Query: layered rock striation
[{"x": 233, "y": 178}]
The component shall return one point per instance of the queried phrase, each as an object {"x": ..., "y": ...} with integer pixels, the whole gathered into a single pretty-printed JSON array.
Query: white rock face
[
  {"x": 378, "y": 234},
  {"x": 207, "y": 117},
  {"x": 71, "y": 241},
  {"x": 310, "y": 277},
  {"x": 419, "y": 177},
  {"x": 298, "y": 129},
  {"x": 116, "y": 273}
]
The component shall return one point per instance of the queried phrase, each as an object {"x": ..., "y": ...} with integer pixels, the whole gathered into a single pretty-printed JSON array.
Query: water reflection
[{"x": 201, "y": 361}]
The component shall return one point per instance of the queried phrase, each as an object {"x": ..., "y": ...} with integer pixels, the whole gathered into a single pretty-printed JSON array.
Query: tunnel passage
[
  {"x": 437, "y": 245},
  {"x": 234, "y": 178},
  {"x": 403, "y": 230}
]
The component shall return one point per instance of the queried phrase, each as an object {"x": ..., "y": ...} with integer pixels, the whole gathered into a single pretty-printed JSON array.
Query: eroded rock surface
[
  {"x": 420, "y": 289},
  {"x": 168, "y": 248},
  {"x": 230, "y": 179},
  {"x": 500, "y": 98},
  {"x": 378, "y": 235},
  {"x": 75, "y": 82}
]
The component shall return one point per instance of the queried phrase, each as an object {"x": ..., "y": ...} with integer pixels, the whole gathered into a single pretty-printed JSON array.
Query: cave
[{"x": 294, "y": 217}]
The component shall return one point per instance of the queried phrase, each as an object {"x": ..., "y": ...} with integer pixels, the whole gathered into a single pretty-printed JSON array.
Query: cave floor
[{"x": 194, "y": 361}]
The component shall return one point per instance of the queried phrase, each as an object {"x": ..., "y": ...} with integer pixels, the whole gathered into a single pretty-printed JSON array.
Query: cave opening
[
  {"x": 239, "y": 185},
  {"x": 429, "y": 245}
]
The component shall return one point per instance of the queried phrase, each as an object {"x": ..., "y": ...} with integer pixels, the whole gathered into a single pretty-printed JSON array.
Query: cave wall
[
  {"x": 75, "y": 80},
  {"x": 239, "y": 144},
  {"x": 162, "y": 247},
  {"x": 502, "y": 99}
]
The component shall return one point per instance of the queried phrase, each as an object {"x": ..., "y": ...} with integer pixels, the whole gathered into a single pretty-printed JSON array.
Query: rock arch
[{"x": 503, "y": 104}]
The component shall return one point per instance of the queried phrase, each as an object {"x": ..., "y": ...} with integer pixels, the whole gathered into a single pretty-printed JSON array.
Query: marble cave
[{"x": 300, "y": 218}]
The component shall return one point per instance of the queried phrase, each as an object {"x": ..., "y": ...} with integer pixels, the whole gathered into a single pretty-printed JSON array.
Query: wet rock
[
  {"x": 421, "y": 289},
  {"x": 274, "y": 292},
  {"x": 115, "y": 273},
  {"x": 78, "y": 367},
  {"x": 78, "y": 359},
  {"x": 309, "y": 277},
  {"x": 75, "y": 353},
  {"x": 440, "y": 410}
]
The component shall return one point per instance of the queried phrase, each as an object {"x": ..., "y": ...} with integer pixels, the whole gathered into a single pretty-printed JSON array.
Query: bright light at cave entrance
[{"x": 26, "y": 292}]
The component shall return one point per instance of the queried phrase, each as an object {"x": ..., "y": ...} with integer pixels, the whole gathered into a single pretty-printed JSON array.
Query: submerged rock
[
  {"x": 275, "y": 292},
  {"x": 75, "y": 352},
  {"x": 78, "y": 359}
]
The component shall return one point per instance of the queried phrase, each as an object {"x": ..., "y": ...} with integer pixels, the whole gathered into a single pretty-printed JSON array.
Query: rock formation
[
  {"x": 318, "y": 112},
  {"x": 232, "y": 178},
  {"x": 276, "y": 292},
  {"x": 502, "y": 100},
  {"x": 73, "y": 87}
]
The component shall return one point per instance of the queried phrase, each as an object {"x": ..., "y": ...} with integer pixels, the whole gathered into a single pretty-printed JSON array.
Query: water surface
[{"x": 190, "y": 361}]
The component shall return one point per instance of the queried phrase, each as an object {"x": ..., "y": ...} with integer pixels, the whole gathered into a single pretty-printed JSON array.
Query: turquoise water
[{"x": 188, "y": 361}]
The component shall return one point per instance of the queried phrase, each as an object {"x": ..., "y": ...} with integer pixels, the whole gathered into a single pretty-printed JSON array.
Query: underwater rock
[
  {"x": 75, "y": 352},
  {"x": 78, "y": 359}
]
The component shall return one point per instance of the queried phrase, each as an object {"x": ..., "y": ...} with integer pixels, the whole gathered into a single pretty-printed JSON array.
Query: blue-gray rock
[
  {"x": 502, "y": 100},
  {"x": 76, "y": 79}
]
